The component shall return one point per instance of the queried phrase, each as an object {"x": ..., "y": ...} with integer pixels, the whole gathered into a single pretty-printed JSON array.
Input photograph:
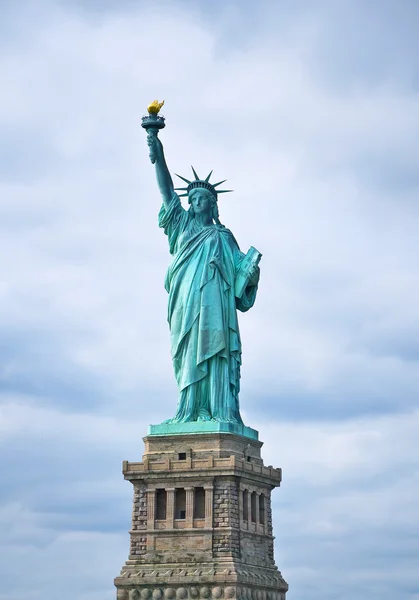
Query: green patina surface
[
  {"x": 193, "y": 427},
  {"x": 202, "y": 283}
]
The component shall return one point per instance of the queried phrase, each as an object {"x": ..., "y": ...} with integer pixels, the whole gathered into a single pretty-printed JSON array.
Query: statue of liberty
[{"x": 208, "y": 280}]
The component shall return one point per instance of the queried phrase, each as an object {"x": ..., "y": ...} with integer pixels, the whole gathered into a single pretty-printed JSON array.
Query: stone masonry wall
[
  {"x": 226, "y": 515},
  {"x": 270, "y": 544},
  {"x": 256, "y": 549},
  {"x": 139, "y": 520}
]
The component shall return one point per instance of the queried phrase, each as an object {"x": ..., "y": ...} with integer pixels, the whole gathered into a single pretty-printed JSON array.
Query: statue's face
[{"x": 201, "y": 201}]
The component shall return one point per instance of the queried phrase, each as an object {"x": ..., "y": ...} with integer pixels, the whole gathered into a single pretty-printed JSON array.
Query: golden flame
[{"x": 155, "y": 107}]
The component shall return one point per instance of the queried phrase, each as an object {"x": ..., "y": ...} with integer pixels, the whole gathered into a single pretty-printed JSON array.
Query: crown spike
[
  {"x": 181, "y": 195},
  {"x": 200, "y": 183},
  {"x": 183, "y": 178}
]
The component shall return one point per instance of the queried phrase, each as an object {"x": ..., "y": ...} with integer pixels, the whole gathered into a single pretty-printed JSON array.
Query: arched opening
[
  {"x": 180, "y": 503},
  {"x": 253, "y": 507},
  {"x": 199, "y": 503},
  {"x": 245, "y": 505},
  {"x": 161, "y": 504}
]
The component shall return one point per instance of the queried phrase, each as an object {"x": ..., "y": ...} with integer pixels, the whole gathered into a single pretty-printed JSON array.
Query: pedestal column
[
  {"x": 189, "y": 506},
  {"x": 209, "y": 503},
  {"x": 151, "y": 508},
  {"x": 170, "y": 508}
]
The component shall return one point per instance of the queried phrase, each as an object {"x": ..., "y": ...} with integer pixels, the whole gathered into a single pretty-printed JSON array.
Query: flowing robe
[{"x": 202, "y": 316}]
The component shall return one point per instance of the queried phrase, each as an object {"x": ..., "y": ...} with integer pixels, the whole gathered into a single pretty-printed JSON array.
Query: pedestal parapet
[{"x": 201, "y": 521}]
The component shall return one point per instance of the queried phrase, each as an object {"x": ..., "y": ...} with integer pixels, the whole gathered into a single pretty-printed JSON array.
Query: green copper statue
[{"x": 208, "y": 280}]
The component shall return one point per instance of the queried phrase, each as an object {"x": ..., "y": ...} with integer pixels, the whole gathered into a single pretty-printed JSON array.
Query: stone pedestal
[{"x": 201, "y": 521}]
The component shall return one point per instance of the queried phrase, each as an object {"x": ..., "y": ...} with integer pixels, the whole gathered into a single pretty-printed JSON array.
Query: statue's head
[{"x": 206, "y": 190}]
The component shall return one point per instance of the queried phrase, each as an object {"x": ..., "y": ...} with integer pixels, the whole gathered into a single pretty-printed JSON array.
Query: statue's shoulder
[
  {"x": 223, "y": 229},
  {"x": 228, "y": 235}
]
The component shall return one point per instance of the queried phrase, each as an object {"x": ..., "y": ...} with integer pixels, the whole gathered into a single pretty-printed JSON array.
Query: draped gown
[{"x": 202, "y": 316}]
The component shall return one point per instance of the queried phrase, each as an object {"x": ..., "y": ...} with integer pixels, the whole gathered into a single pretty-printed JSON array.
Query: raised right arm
[{"x": 164, "y": 179}]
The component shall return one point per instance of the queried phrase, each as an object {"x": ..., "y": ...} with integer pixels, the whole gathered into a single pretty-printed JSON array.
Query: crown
[{"x": 201, "y": 183}]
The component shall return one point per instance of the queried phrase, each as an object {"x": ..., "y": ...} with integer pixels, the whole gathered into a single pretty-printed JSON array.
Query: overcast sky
[{"x": 310, "y": 109}]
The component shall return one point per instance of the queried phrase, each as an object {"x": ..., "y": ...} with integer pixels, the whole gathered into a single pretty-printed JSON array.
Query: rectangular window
[
  {"x": 245, "y": 505},
  {"x": 253, "y": 507},
  {"x": 199, "y": 503},
  {"x": 180, "y": 503},
  {"x": 161, "y": 504},
  {"x": 182, "y": 456}
]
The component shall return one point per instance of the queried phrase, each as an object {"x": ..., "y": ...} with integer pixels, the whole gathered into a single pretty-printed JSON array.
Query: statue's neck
[{"x": 203, "y": 220}]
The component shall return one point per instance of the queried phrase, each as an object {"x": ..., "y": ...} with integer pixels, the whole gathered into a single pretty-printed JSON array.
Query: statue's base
[
  {"x": 196, "y": 427},
  {"x": 201, "y": 521}
]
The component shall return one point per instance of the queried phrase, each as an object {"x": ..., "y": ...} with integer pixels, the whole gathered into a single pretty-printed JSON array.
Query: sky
[{"x": 310, "y": 110}]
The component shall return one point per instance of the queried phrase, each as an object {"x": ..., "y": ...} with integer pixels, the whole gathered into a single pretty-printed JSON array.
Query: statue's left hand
[{"x": 255, "y": 274}]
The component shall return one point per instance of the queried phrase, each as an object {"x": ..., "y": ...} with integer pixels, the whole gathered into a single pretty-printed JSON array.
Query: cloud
[{"x": 312, "y": 115}]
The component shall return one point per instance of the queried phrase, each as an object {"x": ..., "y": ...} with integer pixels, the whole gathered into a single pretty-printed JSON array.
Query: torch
[{"x": 153, "y": 122}]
